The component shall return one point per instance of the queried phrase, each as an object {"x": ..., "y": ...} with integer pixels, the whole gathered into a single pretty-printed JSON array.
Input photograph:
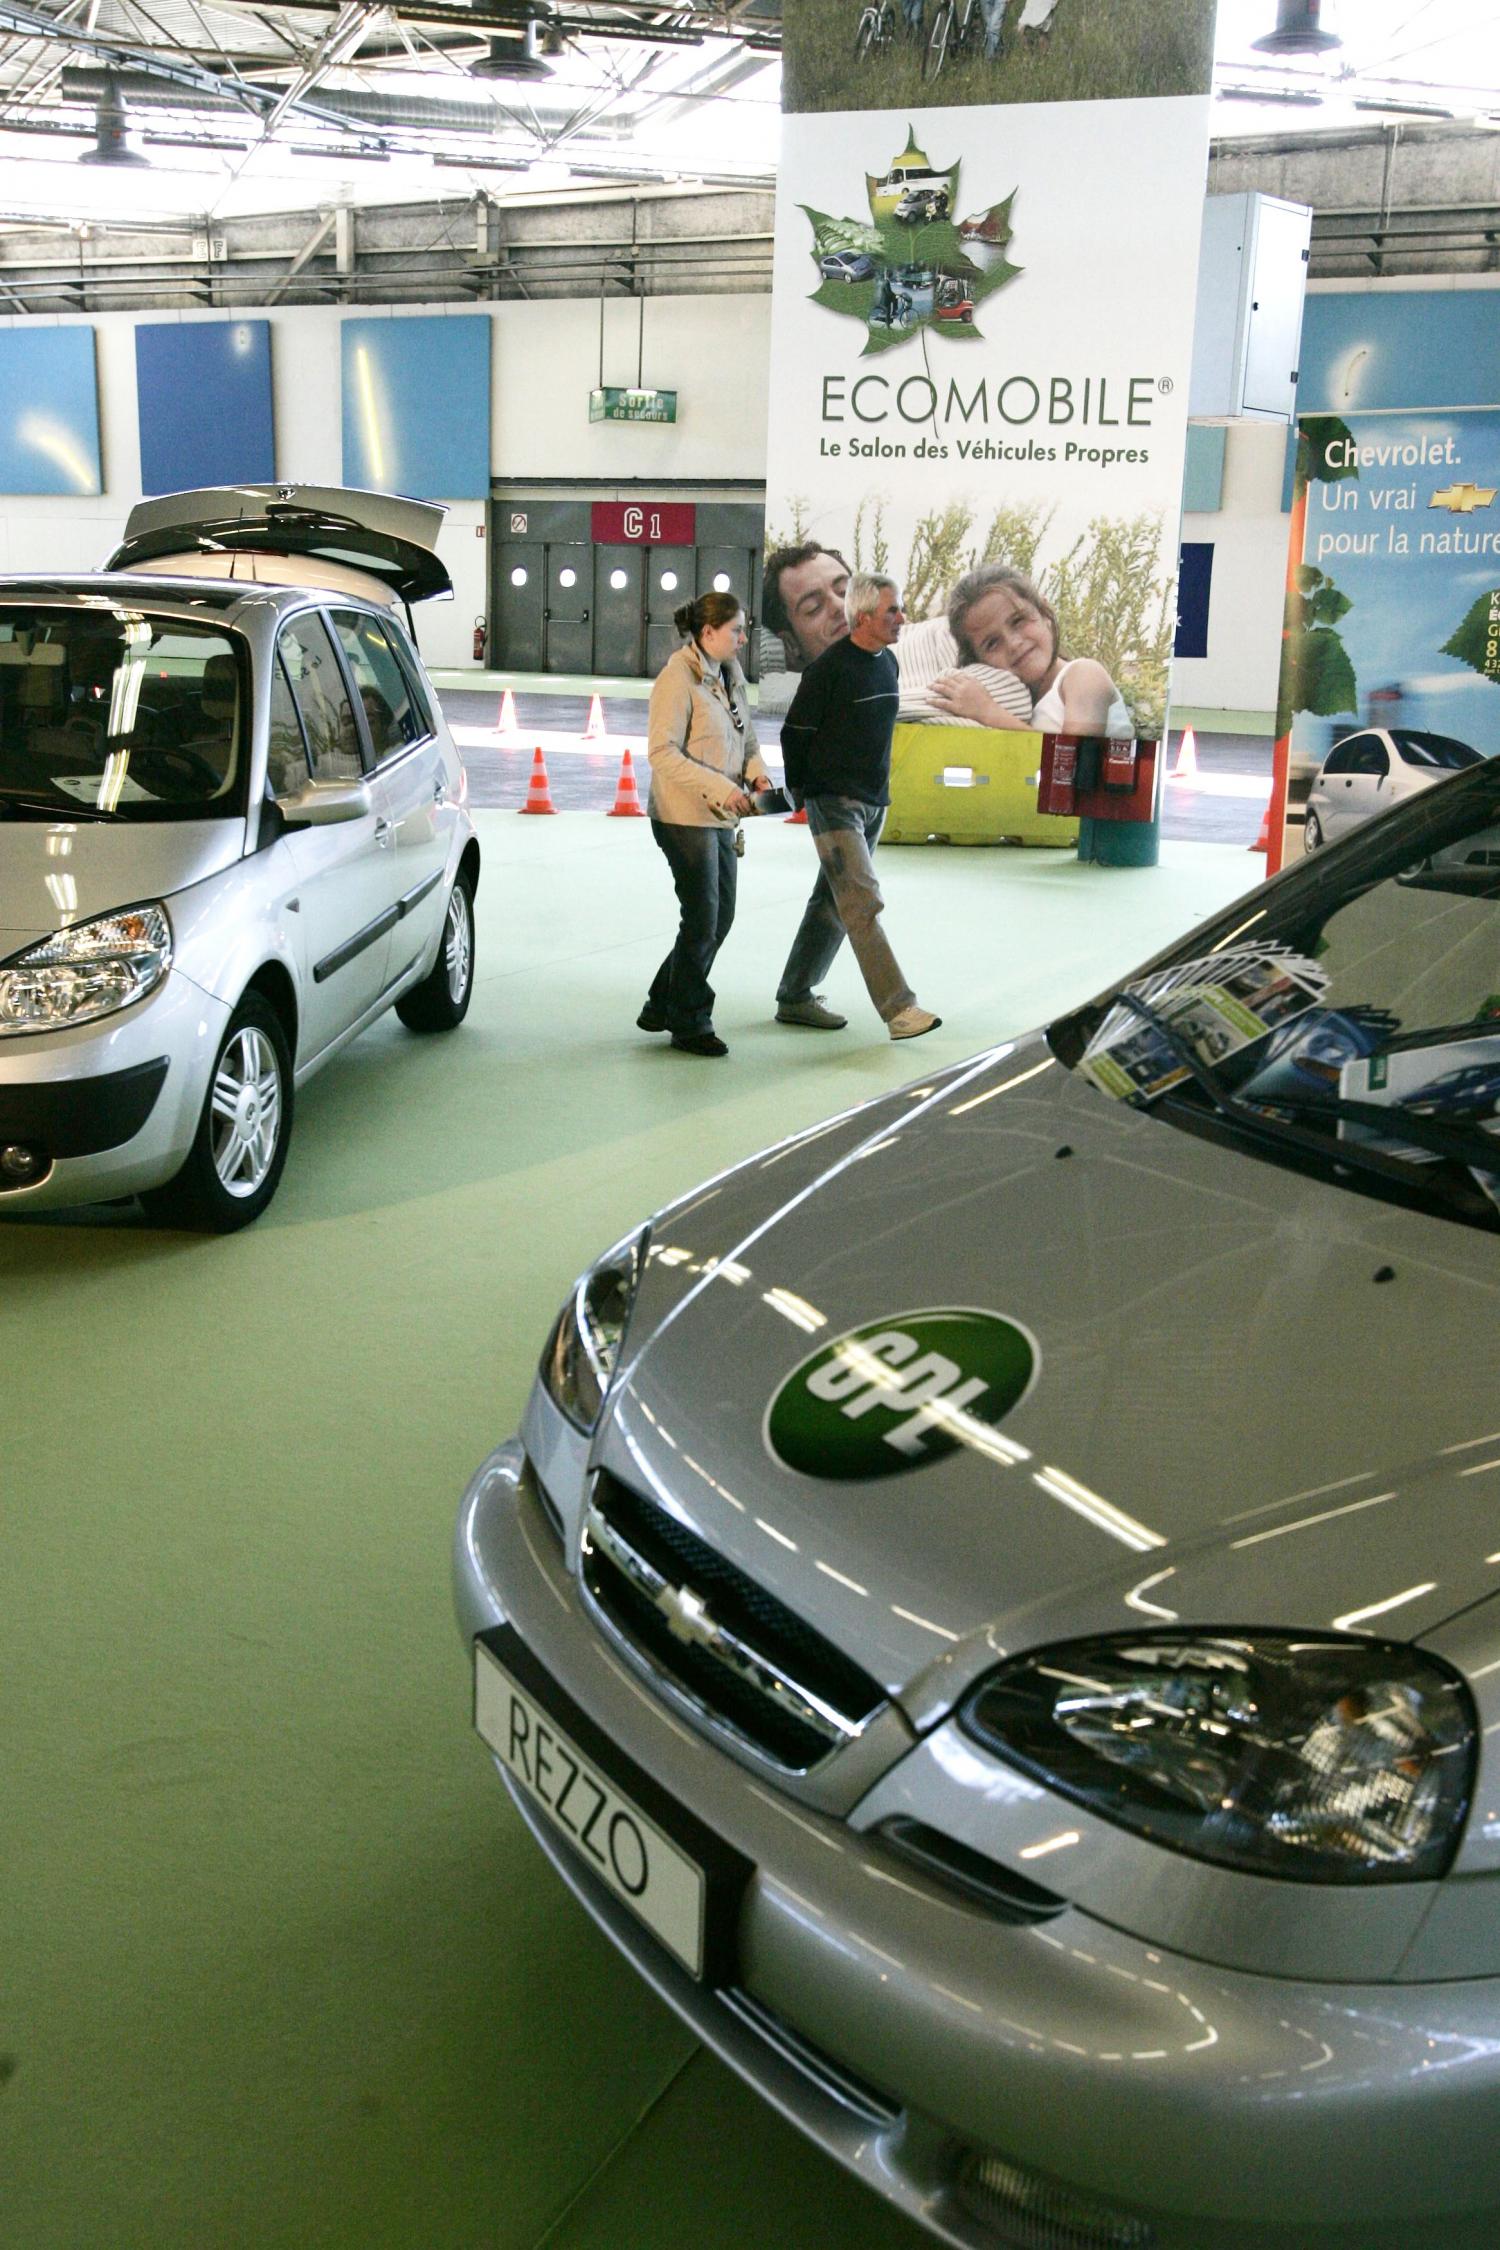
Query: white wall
[
  {"x": 713, "y": 350},
  {"x": 1249, "y": 537}
]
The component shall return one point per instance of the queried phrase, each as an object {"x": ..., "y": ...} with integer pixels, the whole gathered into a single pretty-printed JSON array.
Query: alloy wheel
[{"x": 245, "y": 1108}]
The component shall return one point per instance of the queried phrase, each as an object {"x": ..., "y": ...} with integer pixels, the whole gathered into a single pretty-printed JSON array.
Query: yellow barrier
[{"x": 968, "y": 785}]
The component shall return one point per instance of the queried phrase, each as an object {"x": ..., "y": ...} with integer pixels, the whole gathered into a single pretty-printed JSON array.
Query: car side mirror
[{"x": 321, "y": 804}]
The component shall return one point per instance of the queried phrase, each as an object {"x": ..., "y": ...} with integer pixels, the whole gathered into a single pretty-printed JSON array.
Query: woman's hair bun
[{"x": 714, "y": 609}]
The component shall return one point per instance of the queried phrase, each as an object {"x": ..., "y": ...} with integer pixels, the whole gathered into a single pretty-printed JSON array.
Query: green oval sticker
[{"x": 899, "y": 1393}]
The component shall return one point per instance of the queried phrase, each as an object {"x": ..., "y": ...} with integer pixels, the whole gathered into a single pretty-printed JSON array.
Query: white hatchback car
[
  {"x": 1372, "y": 770},
  {"x": 233, "y": 830}
]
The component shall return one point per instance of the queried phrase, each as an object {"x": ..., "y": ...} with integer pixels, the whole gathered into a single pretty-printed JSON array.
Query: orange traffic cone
[
  {"x": 1186, "y": 768},
  {"x": 627, "y": 804},
  {"x": 799, "y": 816},
  {"x": 538, "y": 792},
  {"x": 1263, "y": 840},
  {"x": 508, "y": 713},
  {"x": 595, "y": 731}
]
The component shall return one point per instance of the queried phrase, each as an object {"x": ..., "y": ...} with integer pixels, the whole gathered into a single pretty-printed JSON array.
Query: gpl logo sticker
[{"x": 900, "y": 1393}]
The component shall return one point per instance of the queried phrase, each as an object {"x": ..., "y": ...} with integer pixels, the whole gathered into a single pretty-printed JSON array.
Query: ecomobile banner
[{"x": 984, "y": 289}]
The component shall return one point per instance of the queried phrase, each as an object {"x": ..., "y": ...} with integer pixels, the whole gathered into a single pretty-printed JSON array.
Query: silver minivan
[{"x": 233, "y": 830}]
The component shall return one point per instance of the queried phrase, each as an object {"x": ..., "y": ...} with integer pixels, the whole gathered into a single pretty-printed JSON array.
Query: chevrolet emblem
[
  {"x": 1463, "y": 499},
  {"x": 687, "y": 1616}
]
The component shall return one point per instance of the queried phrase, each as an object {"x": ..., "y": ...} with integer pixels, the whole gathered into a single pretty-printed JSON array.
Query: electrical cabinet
[{"x": 1252, "y": 277}]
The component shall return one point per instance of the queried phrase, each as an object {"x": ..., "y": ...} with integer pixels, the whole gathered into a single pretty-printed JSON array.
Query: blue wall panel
[
  {"x": 417, "y": 406},
  {"x": 1203, "y": 470},
  {"x": 1363, "y": 350},
  {"x": 203, "y": 391},
  {"x": 49, "y": 411}
]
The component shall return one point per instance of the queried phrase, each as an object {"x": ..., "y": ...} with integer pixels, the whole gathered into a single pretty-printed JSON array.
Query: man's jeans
[
  {"x": 703, "y": 869},
  {"x": 994, "y": 19},
  {"x": 912, "y": 11},
  {"x": 846, "y": 900}
]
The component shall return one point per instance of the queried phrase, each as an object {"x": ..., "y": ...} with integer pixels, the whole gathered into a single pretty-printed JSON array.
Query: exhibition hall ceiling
[{"x": 113, "y": 109}]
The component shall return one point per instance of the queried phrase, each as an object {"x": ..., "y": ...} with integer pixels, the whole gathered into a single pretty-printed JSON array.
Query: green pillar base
[{"x": 1119, "y": 843}]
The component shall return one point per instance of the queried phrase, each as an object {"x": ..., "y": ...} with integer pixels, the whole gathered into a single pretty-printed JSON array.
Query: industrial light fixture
[
  {"x": 1291, "y": 97},
  {"x": 1297, "y": 31},
  {"x": 110, "y": 146},
  {"x": 524, "y": 56},
  {"x": 1398, "y": 108}
]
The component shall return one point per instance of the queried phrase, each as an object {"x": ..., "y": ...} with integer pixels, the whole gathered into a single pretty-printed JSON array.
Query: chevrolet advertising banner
[
  {"x": 1390, "y": 670},
  {"x": 986, "y": 260}
]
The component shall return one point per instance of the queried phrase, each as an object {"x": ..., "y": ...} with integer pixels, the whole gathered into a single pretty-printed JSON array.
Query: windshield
[
  {"x": 110, "y": 713},
  {"x": 1437, "y": 750},
  {"x": 1346, "y": 1020}
]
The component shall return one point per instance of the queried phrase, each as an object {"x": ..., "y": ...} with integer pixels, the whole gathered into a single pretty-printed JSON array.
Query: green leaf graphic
[
  {"x": 928, "y": 273},
  {"x": 1477, "y": 641},
  {"x": 1315, "y": 433}
]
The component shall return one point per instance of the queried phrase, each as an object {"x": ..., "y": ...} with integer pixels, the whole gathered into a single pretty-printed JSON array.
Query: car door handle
[
  {"x": 440, "y": 793},
  {"x": 384, "y": 831}
]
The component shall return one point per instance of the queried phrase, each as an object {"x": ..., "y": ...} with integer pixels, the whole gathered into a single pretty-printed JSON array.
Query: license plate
[{"x": 681, "y": 1886}]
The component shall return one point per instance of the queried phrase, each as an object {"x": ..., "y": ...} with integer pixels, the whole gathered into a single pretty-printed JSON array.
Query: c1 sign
[{"x": 644, "y": 523}]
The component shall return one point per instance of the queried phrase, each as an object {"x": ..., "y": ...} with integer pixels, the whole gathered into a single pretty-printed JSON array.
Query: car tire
[
  {"x": 441, "y": 1001},
  {"x": 239, "y": 1150},
  {"x": 1312, "y": 834}
]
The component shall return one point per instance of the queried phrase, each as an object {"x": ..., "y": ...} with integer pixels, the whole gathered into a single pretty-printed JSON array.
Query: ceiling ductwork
[{"x": 410, "y": 113}]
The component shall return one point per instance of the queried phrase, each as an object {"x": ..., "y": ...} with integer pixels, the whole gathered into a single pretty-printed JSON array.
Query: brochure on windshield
[
  {"x": 1453, "y": 1081},
  {"x": 1218, "y": 1005}
]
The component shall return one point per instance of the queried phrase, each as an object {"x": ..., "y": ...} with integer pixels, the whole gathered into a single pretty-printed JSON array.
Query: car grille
[{"x": 747, "y": 1662}]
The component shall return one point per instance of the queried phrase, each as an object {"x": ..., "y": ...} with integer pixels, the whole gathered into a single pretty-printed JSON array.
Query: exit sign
[
  {"x": 644, "y": 523},
  {"x": 632, "y": 406}
]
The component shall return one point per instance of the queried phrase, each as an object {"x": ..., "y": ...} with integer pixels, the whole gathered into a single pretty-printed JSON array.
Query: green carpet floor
[{"x": 278, "y": 1965}]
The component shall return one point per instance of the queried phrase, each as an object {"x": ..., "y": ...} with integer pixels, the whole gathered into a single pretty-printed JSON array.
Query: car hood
[
  {"x": 54, "y": 875},
  {"x": 1257, "y": 1398}
]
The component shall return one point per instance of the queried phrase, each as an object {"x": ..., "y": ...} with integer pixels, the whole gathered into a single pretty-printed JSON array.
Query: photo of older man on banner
[{"x": 986, "y": 309}]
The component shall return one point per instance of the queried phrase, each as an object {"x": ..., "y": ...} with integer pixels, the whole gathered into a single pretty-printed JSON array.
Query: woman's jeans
[
  {"x": 703, "y": 869},
  {"x": 846, "y": 901}
]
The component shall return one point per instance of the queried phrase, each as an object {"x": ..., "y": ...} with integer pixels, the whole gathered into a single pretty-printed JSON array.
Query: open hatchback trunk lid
[{"x": 291, "y": 534}]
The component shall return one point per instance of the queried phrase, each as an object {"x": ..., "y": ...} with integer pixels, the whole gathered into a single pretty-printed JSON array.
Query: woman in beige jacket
[{"x": 704, "y": 760}]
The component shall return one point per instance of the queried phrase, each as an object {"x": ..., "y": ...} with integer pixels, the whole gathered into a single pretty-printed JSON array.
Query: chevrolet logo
[
  {"x": 1463, "y": 499},
  {"x": 687, "y": 1616}
]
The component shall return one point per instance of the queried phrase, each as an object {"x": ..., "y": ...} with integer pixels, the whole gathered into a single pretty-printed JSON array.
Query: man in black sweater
[{"x": 836, "y": 741}]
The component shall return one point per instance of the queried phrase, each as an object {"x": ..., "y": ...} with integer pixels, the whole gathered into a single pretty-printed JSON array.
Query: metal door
[
  {"x": 669, "y": 583},
  {"x": 517, "y": 603},
  {"x": 619, "y": 610},
  {"x": 727, "y": 569},
  {"x": 569, "y": 614}
]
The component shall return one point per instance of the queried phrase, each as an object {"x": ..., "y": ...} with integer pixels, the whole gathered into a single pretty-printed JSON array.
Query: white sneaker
[
  {"x": 910, "y": 1023},
  {"x": 814, "y": 1014}
]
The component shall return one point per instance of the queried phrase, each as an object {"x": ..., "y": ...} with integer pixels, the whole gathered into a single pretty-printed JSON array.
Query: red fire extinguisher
[{"x": 479, "y": 639}]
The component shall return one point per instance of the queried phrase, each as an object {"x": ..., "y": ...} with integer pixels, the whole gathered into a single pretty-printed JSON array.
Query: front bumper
[
  {"x": 903, "y": 2028},
  {"x": 112, "y": 1106}
]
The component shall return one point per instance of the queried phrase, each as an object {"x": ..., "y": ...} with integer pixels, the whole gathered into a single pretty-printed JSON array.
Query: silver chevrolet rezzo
[
  {"x": 233, "y": 829},
  {"x": 995, "y": 1603}
]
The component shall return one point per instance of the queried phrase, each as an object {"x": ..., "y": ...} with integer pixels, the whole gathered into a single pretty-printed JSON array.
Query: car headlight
[
  {"x": 1319, "y": 1759},
  {"x": 585, "y": 1342},
  {"x": 86, "y": 972}
]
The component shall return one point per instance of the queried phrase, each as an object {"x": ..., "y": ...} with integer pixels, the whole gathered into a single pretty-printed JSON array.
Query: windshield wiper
[{"x": 1464, "y": 1144}]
